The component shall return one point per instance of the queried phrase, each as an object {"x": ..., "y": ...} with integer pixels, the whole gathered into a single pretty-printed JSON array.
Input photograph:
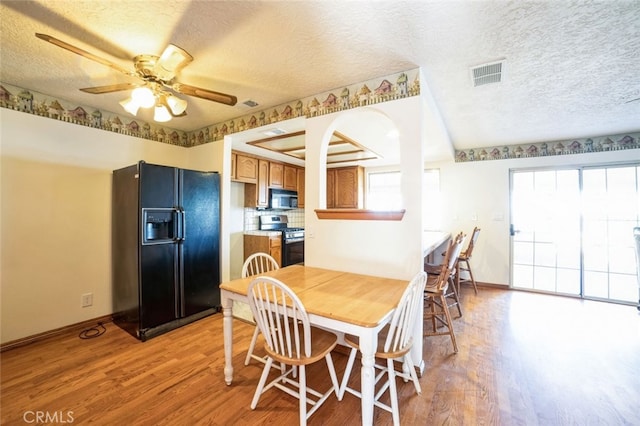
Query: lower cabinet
[{"x": 263, "y": 244}]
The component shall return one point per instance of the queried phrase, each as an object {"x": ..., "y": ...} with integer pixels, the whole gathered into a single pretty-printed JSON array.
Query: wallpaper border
[{"x": 382, "y": 89}]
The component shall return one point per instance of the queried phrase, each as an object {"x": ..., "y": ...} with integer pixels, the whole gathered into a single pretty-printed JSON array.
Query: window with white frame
[
  {"x": 383, "y": 193},
  {"x": 383, "y": 190}
]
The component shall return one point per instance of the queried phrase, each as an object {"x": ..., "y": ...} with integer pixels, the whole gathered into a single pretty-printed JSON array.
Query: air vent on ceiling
[
  {"x": 487, "y": 73},
  {"x": 250, "y": 103}
]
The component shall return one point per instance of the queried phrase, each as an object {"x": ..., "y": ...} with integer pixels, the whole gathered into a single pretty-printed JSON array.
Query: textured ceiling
[{"x": 572, "y": 68}]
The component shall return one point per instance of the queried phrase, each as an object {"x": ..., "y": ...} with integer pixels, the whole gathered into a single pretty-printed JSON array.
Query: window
[{"x": 383, "y": 191}]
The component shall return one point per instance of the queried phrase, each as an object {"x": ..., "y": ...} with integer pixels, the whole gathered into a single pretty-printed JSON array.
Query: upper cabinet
[
  {"x": 246, "y": 169},
  {"x": 345, "y": 188},
  {"x": 301, "y": 186},
  {"x": 261, "y": 174},
  {"x": 291, "y": 178},
  {"x": 276, "y": 175},
  {"x": 257, "y": 195}
]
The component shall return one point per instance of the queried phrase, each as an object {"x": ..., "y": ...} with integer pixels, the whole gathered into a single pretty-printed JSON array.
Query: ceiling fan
[{"x": 158, "y": 81}]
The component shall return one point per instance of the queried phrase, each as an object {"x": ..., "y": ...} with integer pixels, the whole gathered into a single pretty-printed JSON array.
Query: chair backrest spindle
[
  {"x": 401, "y": 326},
  {"x": 281, "y": 317}
]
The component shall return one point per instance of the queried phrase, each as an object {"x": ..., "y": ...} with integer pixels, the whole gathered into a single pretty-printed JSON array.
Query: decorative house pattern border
[
  {"x": 545, "y": 149},
  {"x": 19, "y": 99},
  {"x": 388, "y": 88}
]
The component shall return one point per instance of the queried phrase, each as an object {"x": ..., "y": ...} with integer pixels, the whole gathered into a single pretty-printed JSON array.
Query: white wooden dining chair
[
  {"x": 394, "y": 343},
  {"x": 290, "y": 339},
  {"x": 255, "y": 264}
]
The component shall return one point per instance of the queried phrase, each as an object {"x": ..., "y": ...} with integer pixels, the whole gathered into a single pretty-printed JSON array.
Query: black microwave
[{"x": 282, "y": 199}]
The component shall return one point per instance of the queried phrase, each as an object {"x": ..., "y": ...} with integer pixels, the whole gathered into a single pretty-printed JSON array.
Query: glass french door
[{"x": 572, "y": 231}]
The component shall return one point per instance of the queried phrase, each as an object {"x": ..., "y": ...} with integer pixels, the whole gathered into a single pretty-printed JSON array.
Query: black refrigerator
[{"x": 165, "y": 247}]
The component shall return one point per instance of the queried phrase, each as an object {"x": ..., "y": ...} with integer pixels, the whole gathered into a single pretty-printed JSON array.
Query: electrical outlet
[{"x": 87, "y": 300}]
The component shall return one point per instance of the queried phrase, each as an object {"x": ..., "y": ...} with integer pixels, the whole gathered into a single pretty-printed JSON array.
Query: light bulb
[
  {"x": 176, "y": 104},
  {"x": 161, "y": 114},
  {"x": 130, "y": 105},
  {"x": 143, "y": 96}
]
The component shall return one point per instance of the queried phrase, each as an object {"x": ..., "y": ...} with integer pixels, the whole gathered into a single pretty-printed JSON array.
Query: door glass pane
[
  {"x": 546, "y": 217},
  {"x": 577, "y": 238},
  {"x": 611, "y": 210}
]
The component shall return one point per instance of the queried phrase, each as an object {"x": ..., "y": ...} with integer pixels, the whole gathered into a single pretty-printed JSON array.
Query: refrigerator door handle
[
  {"x": 184, "y": 224},
  {"x": 177, "y": 225}
]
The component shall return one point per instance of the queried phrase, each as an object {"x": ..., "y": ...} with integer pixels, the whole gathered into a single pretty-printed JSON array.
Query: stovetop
[
  {"x": 292, "y": 229},
  {"x": 277, "y": 223}
]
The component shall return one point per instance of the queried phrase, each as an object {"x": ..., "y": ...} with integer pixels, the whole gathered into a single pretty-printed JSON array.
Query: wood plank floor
[{"x": 525, "y": 359}]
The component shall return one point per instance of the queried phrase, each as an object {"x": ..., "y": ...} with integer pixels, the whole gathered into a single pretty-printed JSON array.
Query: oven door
[{"x": 292, "y": 252}]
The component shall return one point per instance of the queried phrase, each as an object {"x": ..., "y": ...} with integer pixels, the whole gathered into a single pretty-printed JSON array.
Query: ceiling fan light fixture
[
  {"x": 130, "y": 105},
  {"x": 176, "y": 104},
  {"x": 161, "y": 114},
  {"x": 172, "y": 60},
  {"x": 143, "y": 96}
]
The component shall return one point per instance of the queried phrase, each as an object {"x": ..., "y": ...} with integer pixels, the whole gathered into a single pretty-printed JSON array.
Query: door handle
[
  {"x": 512, "y": 230},
  {"x": 180, "y": 224},
  {"x": 177, "y": 225},
  {"x": 184, "y": 224}
]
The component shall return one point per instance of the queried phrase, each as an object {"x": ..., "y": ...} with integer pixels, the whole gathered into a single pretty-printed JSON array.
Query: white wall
[
  {"x": 56, "y": 216},
  {"x": 385, "y": 248},
  {"x": 481, "y": 188}
]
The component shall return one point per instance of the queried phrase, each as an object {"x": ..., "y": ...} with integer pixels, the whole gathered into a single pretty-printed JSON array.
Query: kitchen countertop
[
  {"x": 431, "y": 240},
  {"x": 264, "y": 233}
]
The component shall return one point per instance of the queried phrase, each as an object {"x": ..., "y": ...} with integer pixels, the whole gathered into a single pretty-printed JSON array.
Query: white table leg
[
  {"x": 227, "y": 325},
  {"x": 368, "y": 340}
]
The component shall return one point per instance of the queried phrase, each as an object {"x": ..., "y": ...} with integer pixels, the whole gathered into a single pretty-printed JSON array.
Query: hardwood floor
[{"x": 524, "y": 359}]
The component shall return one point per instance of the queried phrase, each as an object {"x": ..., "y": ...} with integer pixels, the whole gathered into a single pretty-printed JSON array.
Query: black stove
[{"x": 292, "y": 238}]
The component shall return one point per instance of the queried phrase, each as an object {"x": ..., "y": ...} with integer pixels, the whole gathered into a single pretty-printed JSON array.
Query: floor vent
[{"x": 487, "y": 73}]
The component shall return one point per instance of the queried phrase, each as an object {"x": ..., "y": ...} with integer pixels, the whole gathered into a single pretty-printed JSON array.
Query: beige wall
[{"x": 56, "y": 217}]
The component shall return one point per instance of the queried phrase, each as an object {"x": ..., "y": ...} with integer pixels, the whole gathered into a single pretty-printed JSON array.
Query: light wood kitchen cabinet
[
  {"x": 257, "y": 195},
  {"x": 234, "y": 158},
  {"x": 246, "y": 169},
  {"x": 276, "y": 175},
  {"x": 263, "y": 244},
  {"x": 300, "y": 186},
  {"x": 345, "y": 188},
  {"x": 290, "y": 178}
]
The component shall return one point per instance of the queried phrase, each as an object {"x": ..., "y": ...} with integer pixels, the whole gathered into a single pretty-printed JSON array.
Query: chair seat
[
  {"x": 433, "y": 285},
  {"x": 354, "y": 342},
  {"x": 432, "y": 269},
  {"x": 322, "y": 342}
]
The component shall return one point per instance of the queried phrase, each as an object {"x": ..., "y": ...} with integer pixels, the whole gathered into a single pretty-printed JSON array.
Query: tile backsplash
[{"x": 251, "y": 221}]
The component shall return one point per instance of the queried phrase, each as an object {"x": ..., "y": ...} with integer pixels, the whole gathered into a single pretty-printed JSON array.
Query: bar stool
[
  {"x": 463, "y": 261},
  {"x": 435, "y": 290}
]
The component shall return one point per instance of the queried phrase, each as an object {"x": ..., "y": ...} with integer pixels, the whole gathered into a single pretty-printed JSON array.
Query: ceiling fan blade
[
  {"x": 81, "y": 52},
  {"x": 110, "y": 88},
  {"x": 172, "y": 60},
  {"x": 205, "y": 94}
]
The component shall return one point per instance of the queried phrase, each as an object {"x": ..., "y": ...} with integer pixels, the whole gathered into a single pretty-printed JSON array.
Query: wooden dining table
[{"x": 344, "y": 302}]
